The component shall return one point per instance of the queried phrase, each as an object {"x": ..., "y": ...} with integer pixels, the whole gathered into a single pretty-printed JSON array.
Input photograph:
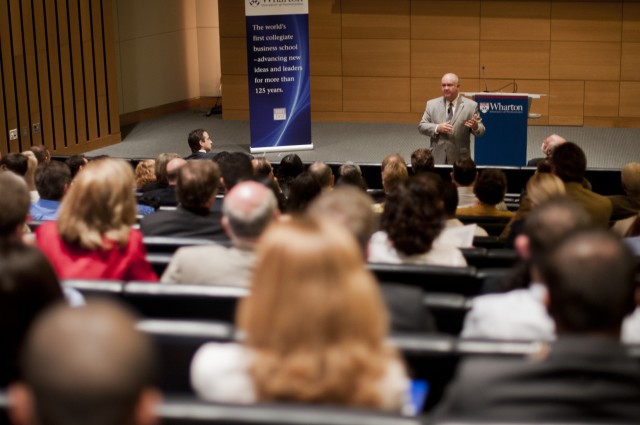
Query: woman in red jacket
[{"x": 93, "y": 238}]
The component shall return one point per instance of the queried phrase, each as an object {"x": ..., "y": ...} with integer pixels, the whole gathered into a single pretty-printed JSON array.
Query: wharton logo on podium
[{"x": 499, "y": 108}]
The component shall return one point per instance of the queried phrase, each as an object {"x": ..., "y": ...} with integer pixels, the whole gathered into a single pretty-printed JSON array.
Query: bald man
[
  {"x": 548, "y": 145},
  {"x": 166, "y": 196},
  {"x": 247, "y": 211},
  {"x": 449, "y": 121},
  {"x": 86, "y": 365},
  {"x": 196, "y": 189}
]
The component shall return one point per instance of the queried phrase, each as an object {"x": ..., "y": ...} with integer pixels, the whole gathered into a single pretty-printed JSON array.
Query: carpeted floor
[{"x": 359, "y": 142}]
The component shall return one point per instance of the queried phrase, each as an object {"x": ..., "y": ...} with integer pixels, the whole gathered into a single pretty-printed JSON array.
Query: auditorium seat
[
  {"x": 177, "y": 301},
  {"x": 448, "y": 310},
  {"x": 493, "y": 225},
  {"x": 458, "y": 280},
  {"x": 169, "y": 245},
  {"x": 95, "y": 287},
  {"x": 489, "y": 242},
  {"x": 481, "y": 258}
]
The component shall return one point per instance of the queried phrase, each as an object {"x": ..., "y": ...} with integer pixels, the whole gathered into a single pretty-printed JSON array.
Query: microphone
[{"x": 484, "y": 77}]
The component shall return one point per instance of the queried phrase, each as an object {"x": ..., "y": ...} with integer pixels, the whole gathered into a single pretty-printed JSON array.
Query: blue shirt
[{"x": 44, "y": 210}]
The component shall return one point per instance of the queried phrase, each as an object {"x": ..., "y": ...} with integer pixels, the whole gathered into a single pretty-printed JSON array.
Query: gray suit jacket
[{"x": 447, "y": 148}]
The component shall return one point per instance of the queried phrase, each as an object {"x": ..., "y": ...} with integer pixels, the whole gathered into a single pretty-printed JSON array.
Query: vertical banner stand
[{"x": 278, "y": 61}]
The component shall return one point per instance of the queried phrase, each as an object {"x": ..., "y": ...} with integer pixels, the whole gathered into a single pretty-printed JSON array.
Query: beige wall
[
  {"x": 380, "y": 60},
  {"x": 167, "y": 51}
]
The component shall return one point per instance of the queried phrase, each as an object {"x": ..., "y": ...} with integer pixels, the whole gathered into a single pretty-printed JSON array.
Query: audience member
[
  {"x": 166, "y": 196},
  {"x": 625, "y": 208},
  {"x": 200, "y": 144},
  {"x": 52, "y": 181},
  {"x": 196, "y": 190},
  {"x": 450, "y": 202},
  {"x": 16, "y": 162},
  {"x": 350, "y": 174},
  {"x": 28, "y": 285},
  {"x": 235, "y": 167},
  {"x": 263, "y": 173},
  {"x": 422, "y": 161},
  {"x": 302, "y": 190},
  {"x": 145, "y": 173},
  {"x": 315, "y": 327},
  {"x": 290, "y": 167},
  {"x": 548, "y": 145},
  {"x": 323, "y": 174},
  {"x": 464, "y": 175},
  {"x": 76, "y": 163},
  {"x": 413, "y": 218},
  {"x": 351, "y": 208},
  {"x": 15, "y": 206},
  {"x": 42, "y": 153},
  {"x": 586, "y": 375},
  {"x": 570, "y": 164},
  {"x": 248, "y": 210},
  {"x": 30, "y": 175},
  {"x": 490, "y": 188},
  {"x": 522, "y": 313},
  {"x": 160, "y": 169},
  {"x": 93, "y": 238},
  {"x": 86, "y": 366}
]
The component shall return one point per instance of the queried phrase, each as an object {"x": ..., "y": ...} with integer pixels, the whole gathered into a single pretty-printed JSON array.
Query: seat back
[{"x": 456, "y": 280}]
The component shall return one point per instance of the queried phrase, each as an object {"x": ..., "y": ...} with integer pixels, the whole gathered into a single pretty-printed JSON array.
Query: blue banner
[
  {"x": 505, "y": 141},
  {"x": 279, "y": 84}
]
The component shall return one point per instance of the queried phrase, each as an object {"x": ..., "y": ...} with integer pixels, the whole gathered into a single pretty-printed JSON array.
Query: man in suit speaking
[{"x": 449, "y": 121}]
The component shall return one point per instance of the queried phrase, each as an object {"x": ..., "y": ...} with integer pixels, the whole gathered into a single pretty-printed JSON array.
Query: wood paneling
[
  {"x": 375, "y": 58},
  {"x": 376, "y": 19},
  {"x": 436, "y": 58},
  {"x": 630, "y": 62},
  {"x": 325, "y": 19},
  {"x": 586, "y": 21},
  {"x": 521, "y": 20},
  {"x": 235, "y": 92},
  {"x": 566, "y": 102},
  {"x": 585, "y": 61},
  {"x": 601, "y": 98},
  {"x": 326, "y": 93},
  {"x": 232, "y": 20},
  {"x": 631, "y": 22},
  {"x": 445, "y": 20},
  {"x": 515, "y": 59},
  {"x": 368, "y": 94},
  {"x": 325, "y": 56},
  {"x": 630, "y": 99},
  {"x": 233, "y": 56},
  {"x": 58, "y": 75}
]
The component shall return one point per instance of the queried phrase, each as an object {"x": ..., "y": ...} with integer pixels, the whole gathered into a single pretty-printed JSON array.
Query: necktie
[{"x": 450, "y": 112}]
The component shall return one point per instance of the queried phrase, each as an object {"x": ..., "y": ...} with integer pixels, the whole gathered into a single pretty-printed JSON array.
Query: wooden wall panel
[
  {"x": 232, "y": 19},
  {"x": 369, "y": 94},
  {"x": 586, "y": 21},
  {"x": 585, "y": 61},
  {"x": 326, "y": 93},
  {"x": 631, "y": 22},
  {"x": 58, "y": 80},
  {"x": 519, "y": 20},
  {"x": 515, "y": 59},
  {"x": 325, "y": 19},
  {"x": 233, "y": 55},
  {"x": 459, "y": 20},
  {"x": 601, "y": 98},
  {"x": 630, "y": 62},
  {"x": 435, "y": 58},
  {"x": 325, "y": 56},
  {"x": 630, "y": 99},
  {"x": 566, "y": 102},
  {"x": 376, "y": 19},
  {"x": 375, "y": 58},
  {"x": 235, "y": 91}
]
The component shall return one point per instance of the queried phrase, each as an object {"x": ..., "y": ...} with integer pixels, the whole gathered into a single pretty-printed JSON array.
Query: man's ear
[
  {"x": 21, "y": 406},
  {"x": 146, "y": 412},
  {"x": 521, "y": 244}
]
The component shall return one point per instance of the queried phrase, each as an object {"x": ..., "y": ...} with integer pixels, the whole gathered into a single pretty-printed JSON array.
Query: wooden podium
[{"x": 505, "y": 117}]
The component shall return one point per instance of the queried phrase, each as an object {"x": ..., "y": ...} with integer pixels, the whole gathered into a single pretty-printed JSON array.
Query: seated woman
[
  {"x": 490, "y": 188},
  {"x": 413, "y": 218},
  {"x": 315, "y": 327},
  {"x": 93, "y": 238}
]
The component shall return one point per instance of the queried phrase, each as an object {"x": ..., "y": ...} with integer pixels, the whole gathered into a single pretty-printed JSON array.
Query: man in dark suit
[
  {"x": 627, "y": 205},
  {"x": 200, "y": 144},
  {"x": 548, "y": 145},
  {"x": 196, "y": 190},
  {"x": 449, "y": 121},
  {"x": 586, "y": 374}
]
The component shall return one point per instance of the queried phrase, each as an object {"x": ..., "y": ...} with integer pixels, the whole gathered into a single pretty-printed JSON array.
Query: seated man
[
  {"x": 52, "y": 181},
  {"x": 548, "y": 145},
  {"x": 247, "y": 211},
  {"x": 490, "y": 188},
  {"x": 86, "y": 365},
  {"x": 626, "y": 207},
  {"x": 196, "y": 190},
  {"x": 586, "y": 374},
  {"x": 200, "y": 144},
  {"x": 166, "y": 195},
  {"x": 422, "y": 161}
]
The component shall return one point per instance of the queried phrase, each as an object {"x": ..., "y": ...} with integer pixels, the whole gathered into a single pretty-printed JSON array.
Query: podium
[{"x": 505, "y": 117}]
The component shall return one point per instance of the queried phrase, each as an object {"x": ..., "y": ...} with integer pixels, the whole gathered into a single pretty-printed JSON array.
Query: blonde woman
[
  {"x": 93, "y": 238},
  {"x": 145, "y": 173},
  {"x": 315, "y": 327}
]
